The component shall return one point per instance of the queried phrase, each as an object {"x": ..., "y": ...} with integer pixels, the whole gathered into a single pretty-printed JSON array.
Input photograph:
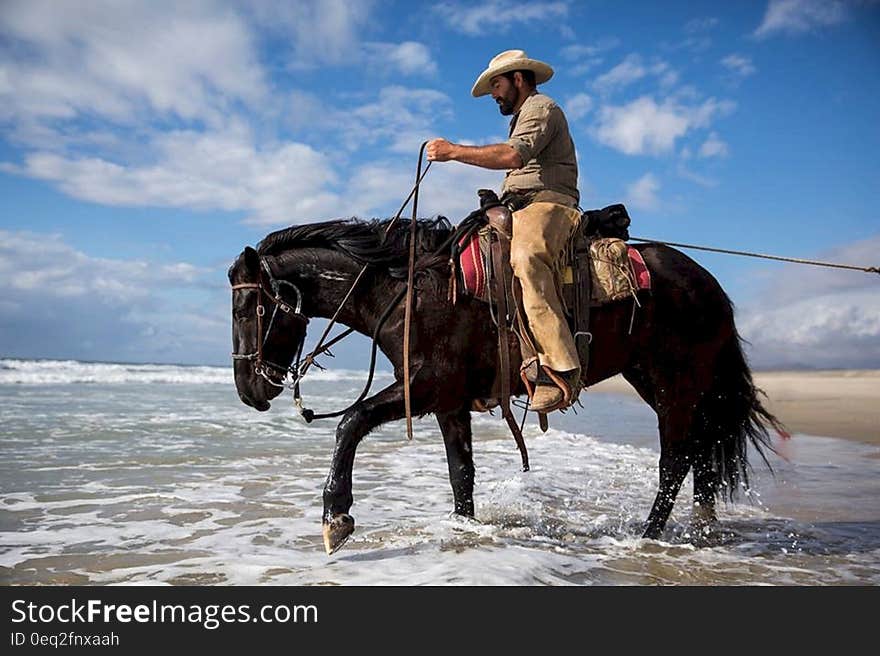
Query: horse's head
[{"x": 268, "y": 328}]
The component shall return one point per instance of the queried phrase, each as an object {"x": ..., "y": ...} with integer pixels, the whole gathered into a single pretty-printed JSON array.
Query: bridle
[
  {"x": 301, "y": 367},
  {"x": 261, "y": 365}
]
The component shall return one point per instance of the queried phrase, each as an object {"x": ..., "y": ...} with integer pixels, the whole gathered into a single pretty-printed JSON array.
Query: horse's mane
[{"x": 367, "y": 242}]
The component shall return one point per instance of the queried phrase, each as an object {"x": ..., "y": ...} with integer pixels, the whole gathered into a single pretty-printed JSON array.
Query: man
[{"x": 541, "y": 184}]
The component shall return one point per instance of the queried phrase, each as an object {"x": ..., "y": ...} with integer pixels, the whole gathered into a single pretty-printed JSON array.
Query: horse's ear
[{"x": 251, "y": 259}]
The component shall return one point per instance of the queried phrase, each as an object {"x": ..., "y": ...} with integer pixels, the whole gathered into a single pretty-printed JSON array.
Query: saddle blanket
[
  {"x": 473, "y": 263},
  {"x": 640, "y": 269},
  {"x": 474, "y": 258}
]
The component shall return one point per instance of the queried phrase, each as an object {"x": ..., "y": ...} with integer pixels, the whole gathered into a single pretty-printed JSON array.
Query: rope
[
  {"x": 779, "y": 258},
  {"x": 410, "y": 294},
  {"x": 319, "y": 348},
  {"x": 310, "y": 415}
]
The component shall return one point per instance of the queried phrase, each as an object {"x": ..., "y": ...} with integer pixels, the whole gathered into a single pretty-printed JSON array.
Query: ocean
[{"x": 158, "y": 474}]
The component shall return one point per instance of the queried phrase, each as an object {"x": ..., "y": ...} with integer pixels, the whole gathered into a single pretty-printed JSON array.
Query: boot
[
  {"x": 554, "y": 390},
  {"x": 546, "y": 398}
]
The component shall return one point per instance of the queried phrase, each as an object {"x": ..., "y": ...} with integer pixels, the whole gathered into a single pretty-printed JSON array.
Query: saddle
[{"x": 598, "y": 268}]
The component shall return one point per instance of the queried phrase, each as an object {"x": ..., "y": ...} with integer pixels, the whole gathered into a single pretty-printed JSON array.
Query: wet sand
[{"x": 843, "y": 404}]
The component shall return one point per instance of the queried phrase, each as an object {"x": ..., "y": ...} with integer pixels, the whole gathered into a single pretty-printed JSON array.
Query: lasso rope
[{"x": 779, "y": 258}]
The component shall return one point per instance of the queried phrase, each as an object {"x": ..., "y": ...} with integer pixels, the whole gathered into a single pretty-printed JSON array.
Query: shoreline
[{"x": 843, "y": 404}]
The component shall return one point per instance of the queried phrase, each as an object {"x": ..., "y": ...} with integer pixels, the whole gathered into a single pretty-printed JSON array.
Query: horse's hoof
[
  {"x": 703, "y": 516},
  {"x": 336, "y": 531}
]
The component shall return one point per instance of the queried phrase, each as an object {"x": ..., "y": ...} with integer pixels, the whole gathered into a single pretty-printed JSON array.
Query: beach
[
  {"x": 843, "y": 404},
  {"x": 129, "y": 474}
]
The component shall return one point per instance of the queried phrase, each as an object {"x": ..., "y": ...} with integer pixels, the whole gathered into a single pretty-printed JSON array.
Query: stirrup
[{"x": 568, "y": 395}]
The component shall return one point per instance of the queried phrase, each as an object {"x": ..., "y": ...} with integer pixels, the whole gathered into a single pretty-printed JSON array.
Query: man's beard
[{"x": 506, "y": 105}]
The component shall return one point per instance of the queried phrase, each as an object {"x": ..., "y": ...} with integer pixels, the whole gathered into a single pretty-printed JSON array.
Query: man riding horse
[{"x": 541, "y": 189}]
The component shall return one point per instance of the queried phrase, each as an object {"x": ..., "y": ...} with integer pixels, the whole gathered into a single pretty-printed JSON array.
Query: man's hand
[{"x": 440, "y": 150}]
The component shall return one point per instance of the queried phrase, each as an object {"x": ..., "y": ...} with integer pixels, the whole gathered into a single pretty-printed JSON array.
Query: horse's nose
[{"x": 262, "y": 406}]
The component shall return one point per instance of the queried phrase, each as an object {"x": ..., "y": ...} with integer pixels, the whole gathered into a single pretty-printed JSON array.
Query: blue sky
[{"x": 143, "y": 144}]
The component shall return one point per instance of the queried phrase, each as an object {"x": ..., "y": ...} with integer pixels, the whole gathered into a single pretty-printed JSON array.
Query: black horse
[{"x": 682, "y": 355}]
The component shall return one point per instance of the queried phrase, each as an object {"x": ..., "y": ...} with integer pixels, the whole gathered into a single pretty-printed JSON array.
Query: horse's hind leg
[
  {"x": 705, "y": 486},
  {"x": 456, "y": 429},
  {"x": 674, "y": 465},
  {"x": 642, "y": 384},
  {"x": 674, "y": 423},
  {"x": 675, "y": 410}
]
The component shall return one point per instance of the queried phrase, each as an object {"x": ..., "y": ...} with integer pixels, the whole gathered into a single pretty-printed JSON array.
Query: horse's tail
[{"x": 730, "y": 416}]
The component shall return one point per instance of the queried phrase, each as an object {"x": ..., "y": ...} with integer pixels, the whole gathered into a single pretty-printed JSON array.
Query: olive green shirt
[{"x": 539, "y": 133}]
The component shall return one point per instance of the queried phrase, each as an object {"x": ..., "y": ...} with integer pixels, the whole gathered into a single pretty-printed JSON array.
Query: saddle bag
[{"x": 612, "y": 274}]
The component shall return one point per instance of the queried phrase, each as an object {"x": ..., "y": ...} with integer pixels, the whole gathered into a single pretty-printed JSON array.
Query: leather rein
[{"x": 300, "y": 366}]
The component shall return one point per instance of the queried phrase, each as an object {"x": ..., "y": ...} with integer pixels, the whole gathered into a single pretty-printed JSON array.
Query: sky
[{"x": 144, "y": 144}]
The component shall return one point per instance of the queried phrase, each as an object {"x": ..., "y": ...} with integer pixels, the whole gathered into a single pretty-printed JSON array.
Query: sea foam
[{"x": 64, "y": 372}]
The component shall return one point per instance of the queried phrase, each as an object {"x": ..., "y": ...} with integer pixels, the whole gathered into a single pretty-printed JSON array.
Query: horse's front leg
[
  {"x": 456, "y": 429},
  {"x": 385, "y": 406}
]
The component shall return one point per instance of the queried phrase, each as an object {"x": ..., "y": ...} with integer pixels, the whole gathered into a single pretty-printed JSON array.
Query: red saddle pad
[
  {"x": 643, "y": 276},
  {"x": 473, "y": 267}
]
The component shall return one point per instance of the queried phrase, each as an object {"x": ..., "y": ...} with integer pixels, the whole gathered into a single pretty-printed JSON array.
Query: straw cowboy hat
[{"x": 510, "y": 60}]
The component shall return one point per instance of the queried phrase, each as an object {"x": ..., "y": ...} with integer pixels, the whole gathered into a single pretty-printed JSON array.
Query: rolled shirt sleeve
[{"x": 534, "y": 130}]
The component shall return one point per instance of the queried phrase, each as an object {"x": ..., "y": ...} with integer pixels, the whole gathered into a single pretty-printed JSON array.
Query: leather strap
[
  {"x": 410, "y": 295},
  {"x": 499, "y": 219}
]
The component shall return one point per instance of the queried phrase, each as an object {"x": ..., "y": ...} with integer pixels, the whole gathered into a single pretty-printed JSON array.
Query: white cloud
[
  {"x": 581, "y": 58},
  {"x": 641, "y": 126},
  {"x": 645, "y": 127},
  {"x": 625, "y": 73},
  {"x": 642, "y": 194},
  {"x": 696, "y": 43},
  {"x": 816, "y": 317},
  {"x": 378, "y": 186},
  {"x": 44, "y": 264},
  {"x": 632, "y": 69},
  {"x": 408, "y": 58},
  {"x": 119, "y": 60},
  {"x": 449, "y": 188},
  {"x": 713, "y": 147},
  {"x": 704, "y": 113},
  {"x": 154, "y": 104},
  {"x": 696, "y": 25},
  {"x": 578, "y": 51},
  {"x": 60, "y": 302},
  {"x": 316, "y": 31},
  {"x": 400, "y": 115},
  {"x": 693, "y": 176},
  {"x": 280, "y": 184},
  {"x": 797, "y": 282},
  {"x": 668, "y": 77},
  {"x": 578, "y": 106},
  {"x": 334, "y": 32},
  {"x": 398, "y": 118},
  {"x": 799, "y": 16},
  {"x": 821, "y": 332},
  {"x": 498, "y": 15},
  {"x": 739, "y": 65},
  {"x": 229, "y": 168},
  {"x": 585, "y": 66},
  {"x": 698, "y": 39}
]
